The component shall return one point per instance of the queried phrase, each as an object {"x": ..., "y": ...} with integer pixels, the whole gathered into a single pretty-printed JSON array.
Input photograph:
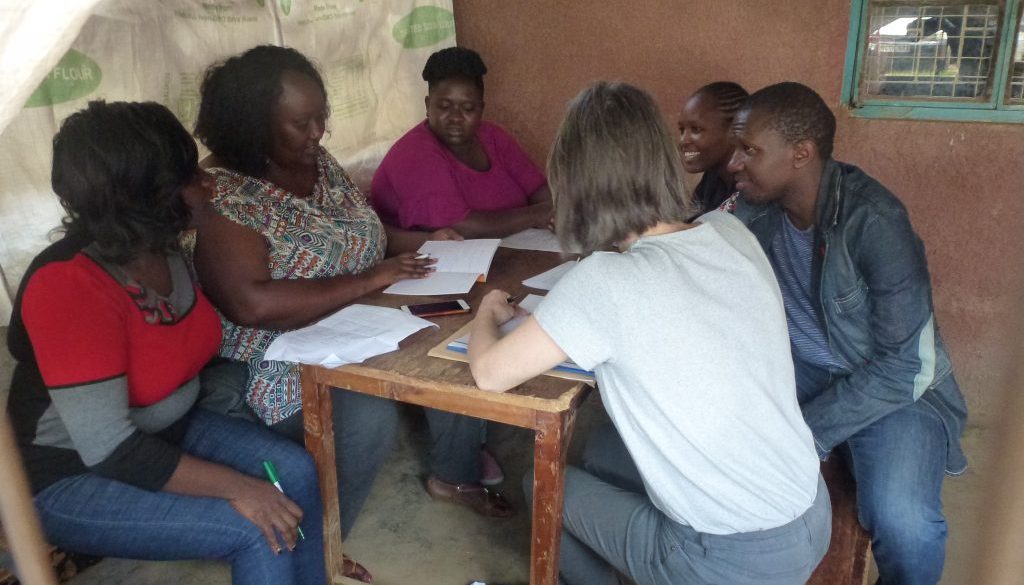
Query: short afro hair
[
  {"x": 796, "y": 112},
  {"x": 727, "y": 95},
  {"x": 455, "y": 62},
  {"x": 119, "y": 169},
  {"x": 238, "y": 98}
]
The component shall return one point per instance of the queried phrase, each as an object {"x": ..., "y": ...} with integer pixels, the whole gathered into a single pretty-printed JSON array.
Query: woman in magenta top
[{"x": 455, "y": 169}]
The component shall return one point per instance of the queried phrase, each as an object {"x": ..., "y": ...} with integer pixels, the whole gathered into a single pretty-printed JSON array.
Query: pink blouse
[{"x": 421, "y": 185}]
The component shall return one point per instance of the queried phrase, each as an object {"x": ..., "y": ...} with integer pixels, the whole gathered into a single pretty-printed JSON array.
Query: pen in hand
[{"x": 268, "y": 466}]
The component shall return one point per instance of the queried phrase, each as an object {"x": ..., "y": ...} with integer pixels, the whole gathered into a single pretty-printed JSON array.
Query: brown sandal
[
  {"x": 474, "y": 496},
  {"x": 354, "y": 570}
]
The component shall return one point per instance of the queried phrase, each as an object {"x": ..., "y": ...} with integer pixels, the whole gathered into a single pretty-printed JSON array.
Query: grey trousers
[{"x": 610, "y": 526}]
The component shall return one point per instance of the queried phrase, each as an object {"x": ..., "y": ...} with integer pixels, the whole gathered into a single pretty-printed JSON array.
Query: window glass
[
  {"x": 1016, "y": 89},
  {"x": 938, "y": 52}
]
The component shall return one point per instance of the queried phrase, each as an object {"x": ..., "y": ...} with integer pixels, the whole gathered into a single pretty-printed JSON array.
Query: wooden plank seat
[
  {"x": 65, "y": 565},
  {"x": 846, "y": 561}
]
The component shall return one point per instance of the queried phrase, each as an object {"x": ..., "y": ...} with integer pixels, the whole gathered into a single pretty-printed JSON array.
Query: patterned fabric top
[{"x": 332, "y": 232}]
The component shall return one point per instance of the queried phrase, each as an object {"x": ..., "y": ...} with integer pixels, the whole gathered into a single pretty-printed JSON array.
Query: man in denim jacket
[{"x": 873, "y": 377}]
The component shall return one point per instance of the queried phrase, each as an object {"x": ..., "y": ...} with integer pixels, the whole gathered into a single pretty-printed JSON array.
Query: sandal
[
  {"x": 472, "y": 495},
  {"x": 354, "y": 570}
]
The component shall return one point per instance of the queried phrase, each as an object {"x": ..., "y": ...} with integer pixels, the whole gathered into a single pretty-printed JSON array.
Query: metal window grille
[
  {"x": 943, "y": 53},
  {"x": 1015, "y": 91}
]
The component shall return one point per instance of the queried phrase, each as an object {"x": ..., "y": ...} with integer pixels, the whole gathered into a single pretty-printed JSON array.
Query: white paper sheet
[
  {"x": 349, "y": 336},
  {"x": 473, "y": 256},
  {"x": 459, "y": 264},
  {"x": 533, "y": 239},
  {"x": 546, "y": 280},
  {"x": 438, "y": 283}
]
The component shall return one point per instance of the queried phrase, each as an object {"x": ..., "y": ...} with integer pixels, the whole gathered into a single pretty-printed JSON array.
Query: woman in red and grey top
[{"x": 110, "y": 333}]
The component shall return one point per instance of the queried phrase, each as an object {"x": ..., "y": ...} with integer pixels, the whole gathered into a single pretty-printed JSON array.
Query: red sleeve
[
  {"x": 415, "y": 184},
  {"x": 75, "y": 322},
  {"x": 515, "y": 160}
]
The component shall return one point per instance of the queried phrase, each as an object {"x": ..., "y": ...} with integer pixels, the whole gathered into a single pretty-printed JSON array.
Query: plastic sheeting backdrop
[{"x": 371, "y": 54}]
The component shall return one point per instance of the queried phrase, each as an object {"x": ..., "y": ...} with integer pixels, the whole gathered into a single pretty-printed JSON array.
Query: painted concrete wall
[{"x": 963, "y": 183}]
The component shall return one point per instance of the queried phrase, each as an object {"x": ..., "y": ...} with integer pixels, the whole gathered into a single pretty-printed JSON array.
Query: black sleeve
[{"x": 141, "y": 460}]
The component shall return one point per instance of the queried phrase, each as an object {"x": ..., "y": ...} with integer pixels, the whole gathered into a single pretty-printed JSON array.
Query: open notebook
[
  {"x": 459, "y": 266},
  {"x": 456, "y": 346}
]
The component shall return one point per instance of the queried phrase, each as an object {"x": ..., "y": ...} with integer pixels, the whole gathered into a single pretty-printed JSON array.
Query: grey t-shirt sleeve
[
  {"x": 575, "y": 314},
  {"x": 98, "y": 422}
]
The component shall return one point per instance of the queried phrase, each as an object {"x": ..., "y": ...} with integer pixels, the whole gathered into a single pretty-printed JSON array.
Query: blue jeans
[
  {"x": 99, "y": 516},
  {"x": 364, "y": 434},
  {"x": 610, "y": 526},
  {"x": 898, "y": 463}
]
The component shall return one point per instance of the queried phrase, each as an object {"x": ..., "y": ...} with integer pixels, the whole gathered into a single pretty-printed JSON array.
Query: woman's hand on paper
[
  {"x": 495, "y": 307},
  {"x": 403, "y": 266}
]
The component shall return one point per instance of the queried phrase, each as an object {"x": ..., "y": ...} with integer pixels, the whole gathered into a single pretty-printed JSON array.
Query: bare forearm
[
  {"x": 542, "y": 195},
  {"x": 257, "y": 500},
  {"x": 483, "y": 335},
  {"x": 498, "y": 224},
  {"x": 291, "y": 303},
  {"x": 197, "y": 477},
  {"x": 400, "y": 240}
]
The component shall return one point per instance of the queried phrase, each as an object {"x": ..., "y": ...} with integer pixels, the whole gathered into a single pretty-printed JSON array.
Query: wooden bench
[
  {"x": 65, "y": 565},
  {"x": 846, "y": 561}
]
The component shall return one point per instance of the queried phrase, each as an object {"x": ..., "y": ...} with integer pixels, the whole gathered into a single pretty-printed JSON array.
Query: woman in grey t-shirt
[{"x": 709, "y": 474}]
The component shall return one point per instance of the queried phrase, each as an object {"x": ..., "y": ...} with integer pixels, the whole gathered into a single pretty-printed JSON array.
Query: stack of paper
[
  {"x": 533, "y": 239},
  {"x": 349, "y": 336},
  {"x": 529, "y": 304},
  {"x": 459, "y": 266},
  {"x": 546, "y": 280}
]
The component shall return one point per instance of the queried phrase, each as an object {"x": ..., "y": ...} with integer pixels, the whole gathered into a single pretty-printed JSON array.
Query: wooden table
[{"x": 545, "y": 404}]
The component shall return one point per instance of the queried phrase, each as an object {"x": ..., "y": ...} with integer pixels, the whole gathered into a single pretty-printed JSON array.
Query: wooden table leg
[
  {"x": 319, "y": 426},
  {"x": 550, "y": 446}
]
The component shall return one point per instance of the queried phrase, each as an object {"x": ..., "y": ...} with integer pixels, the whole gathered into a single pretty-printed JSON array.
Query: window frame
[{"x": 994, "y": 110}]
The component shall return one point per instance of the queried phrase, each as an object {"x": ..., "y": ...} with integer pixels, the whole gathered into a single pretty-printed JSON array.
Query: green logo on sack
[
  {"x": 73, "y": 77},
  {"x": 424, "y": 26}
]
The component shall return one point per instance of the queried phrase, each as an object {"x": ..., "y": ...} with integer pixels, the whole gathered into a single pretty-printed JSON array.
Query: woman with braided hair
[{"x": 704, "y": 141}]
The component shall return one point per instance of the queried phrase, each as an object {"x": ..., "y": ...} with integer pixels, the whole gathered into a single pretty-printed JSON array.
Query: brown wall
[{"x": 963, "y": 183}]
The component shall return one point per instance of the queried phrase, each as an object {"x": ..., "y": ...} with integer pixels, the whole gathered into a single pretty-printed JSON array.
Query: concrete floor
[{"x": 403, "y": 537}]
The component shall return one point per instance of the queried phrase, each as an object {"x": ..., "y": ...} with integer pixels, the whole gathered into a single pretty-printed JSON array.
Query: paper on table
[
  {"x": 459, "y": 264},
  {"x": 349, "y": 336},
  {"x": 438, "y": 283},
  {"x": 533, "y": 239},
  {"x": 546, "y": 280}
]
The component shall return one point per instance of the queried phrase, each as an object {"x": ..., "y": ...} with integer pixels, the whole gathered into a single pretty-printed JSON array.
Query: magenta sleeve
[
  {"x": 515, "y": 160},
  {"x": 414, "y": 186}
]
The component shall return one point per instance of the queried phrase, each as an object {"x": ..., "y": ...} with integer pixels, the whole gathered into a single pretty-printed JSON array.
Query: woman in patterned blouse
[{"x": 293, "y": 240}]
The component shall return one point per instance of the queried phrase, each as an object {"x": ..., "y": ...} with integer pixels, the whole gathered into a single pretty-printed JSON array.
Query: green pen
[{"x": 268, "y": 466}]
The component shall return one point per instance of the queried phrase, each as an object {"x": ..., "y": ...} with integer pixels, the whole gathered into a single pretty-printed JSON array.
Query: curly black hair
[
  {"x": 455, "y": 62},
  {"x": 238, "y": 98},
  {"x": 796, "y": 112},
  {"x": 119, "y": 170},
  {"x": 727, "y": 95}
]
